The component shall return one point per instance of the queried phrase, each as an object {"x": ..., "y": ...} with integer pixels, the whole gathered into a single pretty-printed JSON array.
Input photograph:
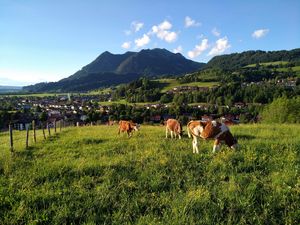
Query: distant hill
[
  {"x": 111, "y": 69},
  {"x": 237, "y": 60},
  {"x": 6, "y": 89}
]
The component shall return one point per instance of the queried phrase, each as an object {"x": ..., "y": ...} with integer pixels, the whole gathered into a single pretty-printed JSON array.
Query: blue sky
[{"x": 51, "y": 40}]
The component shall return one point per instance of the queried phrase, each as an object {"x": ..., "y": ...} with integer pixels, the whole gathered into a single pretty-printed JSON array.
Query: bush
[{"x": 282, "y": 110}]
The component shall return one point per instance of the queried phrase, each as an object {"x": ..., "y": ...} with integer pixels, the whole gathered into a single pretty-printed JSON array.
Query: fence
[{"x": 31, "y": 135}]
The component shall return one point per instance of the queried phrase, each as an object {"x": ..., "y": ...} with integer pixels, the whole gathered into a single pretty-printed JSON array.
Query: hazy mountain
[
  {"x": 111, "y": 69},
  {"x": 6, "y": 89}
]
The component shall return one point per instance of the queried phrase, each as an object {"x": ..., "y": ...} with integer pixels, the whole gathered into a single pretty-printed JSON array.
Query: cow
[
  {"x": 128, "y": 126},
  {"x": 173, "y": 126},
  {"x": 210, "y": 130}
]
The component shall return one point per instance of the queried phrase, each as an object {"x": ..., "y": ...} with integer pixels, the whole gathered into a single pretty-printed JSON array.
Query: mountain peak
[
  {"x": 109, "y": 68},
  {"x": 106, "y": 53}
]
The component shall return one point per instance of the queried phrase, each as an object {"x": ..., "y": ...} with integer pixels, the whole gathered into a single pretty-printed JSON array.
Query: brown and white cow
[
  {"x": 210, "y": 130},
  {"x": 173, "y": 126},
  {"x": 128, "y": 127}
]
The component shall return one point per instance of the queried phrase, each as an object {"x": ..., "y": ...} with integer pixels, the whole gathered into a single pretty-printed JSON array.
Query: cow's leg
[
  {"x": 216, "y": 145},
  {"x": 234, "y": 147},
  {"x": 195, "y": 145},
  {"x": 166, "y": 132},
  {"x": 179, "y": 136},
  {"x": 171, "y": 134}
]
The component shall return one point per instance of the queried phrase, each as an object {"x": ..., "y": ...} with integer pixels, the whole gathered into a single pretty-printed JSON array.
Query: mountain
[
  {"x": 237, "y": 60},
  {"x": 112, "y": 69},
  {"x": 7, "y": 89}
]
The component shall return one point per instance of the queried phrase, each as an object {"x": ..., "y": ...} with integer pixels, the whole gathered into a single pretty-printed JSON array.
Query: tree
[
  {"x": 282, "y": 110},
  {"x": 165, "y": 98}
]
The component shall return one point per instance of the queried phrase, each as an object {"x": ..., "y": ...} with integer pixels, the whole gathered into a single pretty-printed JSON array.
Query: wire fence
[{"x": 15, "y": 138}]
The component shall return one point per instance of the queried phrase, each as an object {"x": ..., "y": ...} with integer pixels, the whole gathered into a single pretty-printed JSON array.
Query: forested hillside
[{"x": 237, "y": 60}]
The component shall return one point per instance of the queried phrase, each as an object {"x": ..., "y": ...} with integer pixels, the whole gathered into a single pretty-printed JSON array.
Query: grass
[
  {"x": 295, "y": 69},
  {"x": 269, "y": 63},
  {"x": 36, "y": 94},
  {"x": 90, "y": 175},
  {"x": 123, "y": 101},
  {"x": 169, "y": 84}
]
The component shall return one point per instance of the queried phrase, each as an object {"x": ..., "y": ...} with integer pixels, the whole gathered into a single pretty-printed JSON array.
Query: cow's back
[
  {"x": 124, "y": 125},
  {"x": 173, "y": 124}
]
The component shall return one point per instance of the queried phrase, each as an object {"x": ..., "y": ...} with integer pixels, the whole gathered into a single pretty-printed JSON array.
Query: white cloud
[
  {"x": 162, "y": 31},
  {"x": 171, "y": 36},
  {"x": 126, "y": 45},
  {"x": 260, "y": 33},
  {"x": 127, "y": 32},
  {"x": 189, "y": 22},
  {"x": 178, "y": 49},
  {"x": 136, "y": 26},
  {"x": 199, "y": 49},
  {"x": 166, "y": 25},
  {"x": 140, "y": 42},
  {"x": 216, "y": 32},
  {"x": 220, "y": 46}
]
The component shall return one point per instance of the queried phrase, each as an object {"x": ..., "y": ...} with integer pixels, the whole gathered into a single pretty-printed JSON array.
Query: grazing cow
[
  {"x": 128, "y": 126},
  {"x": 210, "y": 130},
  {"x": 173, "y": 126}
]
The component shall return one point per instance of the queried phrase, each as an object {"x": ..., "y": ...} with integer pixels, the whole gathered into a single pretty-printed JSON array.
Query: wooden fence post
[
  {"x": 27, "y": 136},
  {"x": 43, "y": 127},
  {"x": 34, "y": 133},
  {"x": 48, "y": 127},
  {"x": 11, "y": 138},
  {"x": 54, "y": 126}
]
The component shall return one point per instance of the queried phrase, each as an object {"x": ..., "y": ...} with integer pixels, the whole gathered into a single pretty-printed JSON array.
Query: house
[
  {"x": 83, "y": 117},
  {"x": 156, "y": 118},
  {"x": 239, "y": 105}
]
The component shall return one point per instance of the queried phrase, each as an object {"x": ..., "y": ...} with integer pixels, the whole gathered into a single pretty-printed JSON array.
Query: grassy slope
[
  {"x": 295, "y": 68},
  {"x": 91, "y": 176},
  {"x": 166, "y": 84},
  {"x": 171, "y": 83},
  {"x": 269, "y": 63}
]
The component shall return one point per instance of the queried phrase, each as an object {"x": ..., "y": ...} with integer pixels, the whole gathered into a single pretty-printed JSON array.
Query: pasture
[
  {"x": 90, "y": 175},
  {"x": 169, "y": 84}
]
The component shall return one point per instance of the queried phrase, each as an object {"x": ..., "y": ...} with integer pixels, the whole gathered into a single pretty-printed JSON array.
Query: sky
[{"x": 43, "y": 41}]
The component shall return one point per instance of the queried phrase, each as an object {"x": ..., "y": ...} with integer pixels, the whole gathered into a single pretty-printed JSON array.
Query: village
[{"x": 80, "y": 110}]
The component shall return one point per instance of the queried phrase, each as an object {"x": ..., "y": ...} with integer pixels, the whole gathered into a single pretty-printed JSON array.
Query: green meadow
[
  {"x": 90, "y": 175},
  {"x": 169, "y": 84},
  {"x": 269, "y": 63}
]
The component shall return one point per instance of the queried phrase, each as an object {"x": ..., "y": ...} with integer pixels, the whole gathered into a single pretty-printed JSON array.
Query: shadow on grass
[
  {"x": 244, "y": 137},
  {"x": 88, "y": 141},
  {"x": 25, "y": 153}
]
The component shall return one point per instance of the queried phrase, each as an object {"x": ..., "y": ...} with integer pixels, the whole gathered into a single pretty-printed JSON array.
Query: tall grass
[{"x": 91, "y": 175}]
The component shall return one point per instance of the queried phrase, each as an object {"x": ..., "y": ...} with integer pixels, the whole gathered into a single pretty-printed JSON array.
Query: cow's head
[
  {"x": 136, "y": 127},
  {"x": 235, "y": 145}
]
